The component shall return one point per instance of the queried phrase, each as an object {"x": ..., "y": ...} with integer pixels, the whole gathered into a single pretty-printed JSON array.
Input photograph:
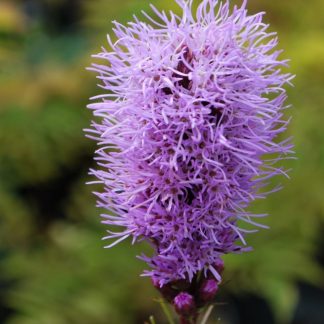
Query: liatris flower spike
[{"x": 188, "y": 126}]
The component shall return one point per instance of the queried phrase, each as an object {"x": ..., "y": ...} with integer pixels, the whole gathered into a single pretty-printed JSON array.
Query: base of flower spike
[{"x": 189, "y": 298}]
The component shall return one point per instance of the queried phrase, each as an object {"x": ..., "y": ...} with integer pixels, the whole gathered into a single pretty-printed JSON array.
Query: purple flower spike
[
  {"x": 184, "y": 304},
  {"x": 188, "y": 129}
]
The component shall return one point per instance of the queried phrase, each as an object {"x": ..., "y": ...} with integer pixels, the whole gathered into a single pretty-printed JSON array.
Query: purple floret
[{"x": 188, "y": 133}]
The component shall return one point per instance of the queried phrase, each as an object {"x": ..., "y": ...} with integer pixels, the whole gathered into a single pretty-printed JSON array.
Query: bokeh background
[{"x": 53, "y": 268}]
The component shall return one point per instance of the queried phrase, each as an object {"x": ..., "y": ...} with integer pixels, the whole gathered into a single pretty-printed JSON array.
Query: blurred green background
[{"x": 53, "y": 268}]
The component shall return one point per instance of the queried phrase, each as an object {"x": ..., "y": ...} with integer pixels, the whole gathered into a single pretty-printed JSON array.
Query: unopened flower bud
[
  {"x": 184, "y": 304},
  {"x": 208, "y": 290},
  {"x": 219, "y": 266}
]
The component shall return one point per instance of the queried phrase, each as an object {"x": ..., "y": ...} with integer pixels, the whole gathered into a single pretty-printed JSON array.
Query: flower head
[{"x": 189, "y": 119}]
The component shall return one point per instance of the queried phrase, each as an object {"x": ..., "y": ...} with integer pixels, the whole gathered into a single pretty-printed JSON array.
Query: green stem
[
  {"x": 207, "y": 314},
  {"x": 184, "y": 320},
  {"x": 152, "y": 320},
  {"x": 166, "y": 311}
]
